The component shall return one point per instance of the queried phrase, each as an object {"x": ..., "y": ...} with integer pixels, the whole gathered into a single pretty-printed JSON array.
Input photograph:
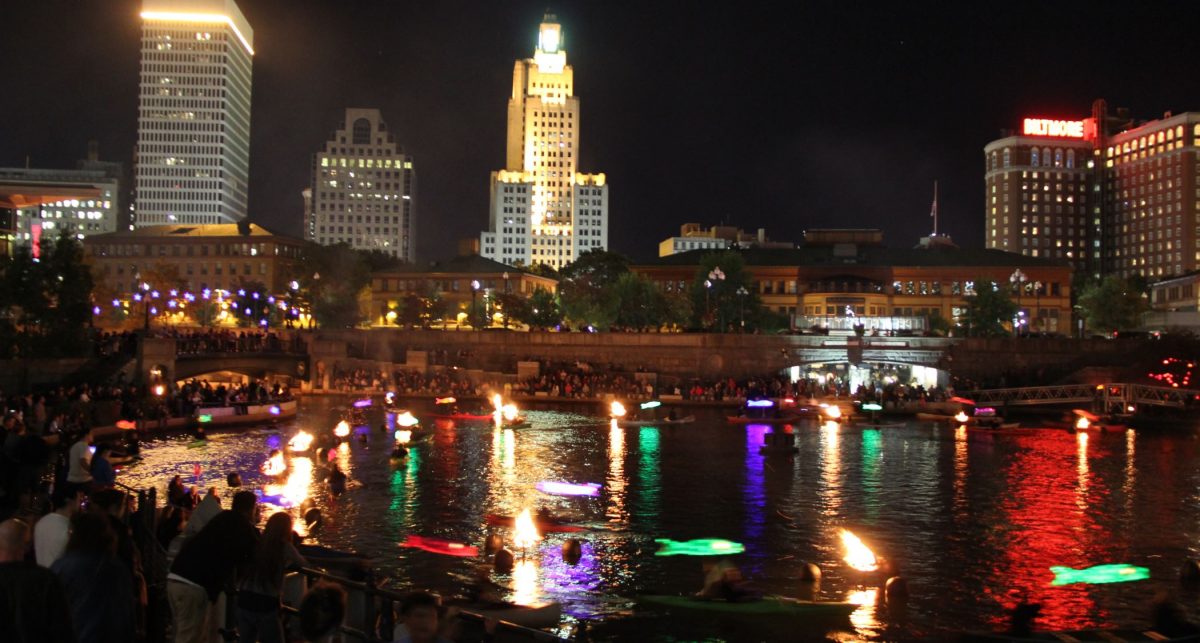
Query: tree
[
  {"x": 250, "y": 304},
  {"x": 1113, "y": 304},
  {"x": 204, "y": 312},
  {"x": 639, "y": 304},
  {"x": 715, "y": 299},
  {"x": 46, "y": 303},
  {"x": 586, "y": 289},
  {"x": 542, "y": 311},
  {"x": 988, "y": 308},
  {"x": 339, "y": 275},
  {"x": 511, "y": 306}
]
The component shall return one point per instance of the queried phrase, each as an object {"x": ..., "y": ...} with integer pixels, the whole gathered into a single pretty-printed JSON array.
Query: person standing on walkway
[
  {"x": 99, "y": 586},
  {"x": 33, "y": 606},
  {"x": 259, "y": 592},
  {"x": 207, "y": 564}
]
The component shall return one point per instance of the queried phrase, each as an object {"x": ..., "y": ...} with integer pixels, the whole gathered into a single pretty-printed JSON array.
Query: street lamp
[
  {"x": 1018, "y": 279},
  {"x": 741, "y": 293},
  {"x": 1037, "y": 304},
  {"x": 506, "y": 282},
  {"x": 474, "y": 313},
  {"x": 714, "y": 276}
]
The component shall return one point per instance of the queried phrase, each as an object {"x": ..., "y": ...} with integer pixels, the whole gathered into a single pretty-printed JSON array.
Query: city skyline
[{"x": 774, "y": 120}]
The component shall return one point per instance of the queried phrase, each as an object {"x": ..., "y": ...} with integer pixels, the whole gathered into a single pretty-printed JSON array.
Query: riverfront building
[
  {"x": 839, "y": 278},
  {"x": 454, "y": 284},
  {"x": 542, "y": 210},
  {"x": 220, "y": 256},
  {"x": 1108, "y": 194},
  {"x": 363, "y": 190},
  {"x": 193, "y": 153}
]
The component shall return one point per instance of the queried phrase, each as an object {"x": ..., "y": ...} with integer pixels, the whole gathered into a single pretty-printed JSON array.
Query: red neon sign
[{"x": 1058, "y": 129}]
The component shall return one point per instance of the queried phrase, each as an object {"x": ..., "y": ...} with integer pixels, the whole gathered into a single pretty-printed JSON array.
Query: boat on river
[
  {"x": 627, "y": 423},
  {"x": 765, "y": 606},
  {"x": 221, "y": 416},
  {"x": 1077, "y": 636},
  {"x": 464, "y": 416}
]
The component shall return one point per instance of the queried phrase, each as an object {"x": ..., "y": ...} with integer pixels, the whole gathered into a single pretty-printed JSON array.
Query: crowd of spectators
[{"x": 193, "y": 342}]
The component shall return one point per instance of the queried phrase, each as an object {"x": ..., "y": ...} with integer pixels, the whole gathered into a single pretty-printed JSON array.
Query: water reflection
[
  {"x": 977, "y": 520},
  {"x": 754, "y": 496},
  {"x": 648, "y": 506},
  {"x": 863, "y": 618},
  {"x": 525, "y": 582},
  {"x": 1081, "y": 466},
  {"x": 831, "y": 468},
  {"x": 616, "y": 474}
]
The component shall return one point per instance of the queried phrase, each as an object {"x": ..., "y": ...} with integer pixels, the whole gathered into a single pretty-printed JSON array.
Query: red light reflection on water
[{"x": 1048, "y": 523}]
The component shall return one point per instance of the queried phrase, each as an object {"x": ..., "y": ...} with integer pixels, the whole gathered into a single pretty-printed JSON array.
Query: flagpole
[{"x": 935, "y": 204}]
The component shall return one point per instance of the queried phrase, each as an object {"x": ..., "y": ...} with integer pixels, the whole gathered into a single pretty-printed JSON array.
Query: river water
[{"x": 972, "y": 522}]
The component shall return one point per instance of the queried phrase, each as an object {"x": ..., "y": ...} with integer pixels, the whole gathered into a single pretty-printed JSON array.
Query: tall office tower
[
  {"x": 542, "y": 209},
  {"x": 193, "y": 158},
  {"x": 363, "y": 190}
]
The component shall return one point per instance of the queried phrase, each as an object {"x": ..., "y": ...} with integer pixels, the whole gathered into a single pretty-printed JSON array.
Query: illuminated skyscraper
[
  {"x": 543, "y": 210},
  {"x": 1109, "y": 194},
  {"x": 363, "y": 189},
  {"x": 193, "y": 113}
]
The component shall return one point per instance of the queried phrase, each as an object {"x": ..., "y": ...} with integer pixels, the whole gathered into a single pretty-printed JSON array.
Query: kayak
[
  {"x": 463, "y": 417},
  {"x": 627, "y": 423},
  {"x": 1081, "y": 636},
  {"x": 768, "y": 605},
  {"x": 536, "y": 615},
  {"x": 440, "y": 546},
  {"x": 544, "y": 526},
  {"x": 741, "y": 419},
  {"x": 874, "y": 425}
]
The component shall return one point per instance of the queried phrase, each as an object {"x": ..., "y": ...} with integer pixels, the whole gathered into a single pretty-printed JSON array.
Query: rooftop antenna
[{"x": 933, "y": 212}]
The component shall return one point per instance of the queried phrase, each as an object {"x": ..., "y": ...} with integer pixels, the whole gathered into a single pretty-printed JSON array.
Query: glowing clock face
[{"x": 548, "y": 39}]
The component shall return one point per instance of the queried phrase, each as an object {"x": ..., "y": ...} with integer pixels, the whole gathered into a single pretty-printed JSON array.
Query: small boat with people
[
  {"x": 646, "y": 415},
  {"x": 985, "y": 417},
  {"x": 779, "y": 442}
]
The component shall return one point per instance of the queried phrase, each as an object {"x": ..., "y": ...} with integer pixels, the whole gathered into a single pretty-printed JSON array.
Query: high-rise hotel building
[
  {"x": 542, "y": 210},
  {"x": 1107, "y": 194},
  {"x": 193, "y": 154},
  {"x": 363, "y": 190}
]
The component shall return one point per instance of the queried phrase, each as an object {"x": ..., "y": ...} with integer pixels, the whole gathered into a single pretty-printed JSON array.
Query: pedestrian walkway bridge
[{"x": 1103, "y": 396}]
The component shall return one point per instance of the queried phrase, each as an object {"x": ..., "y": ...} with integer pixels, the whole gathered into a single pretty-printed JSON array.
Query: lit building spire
[{"x": 543, "y": 210}]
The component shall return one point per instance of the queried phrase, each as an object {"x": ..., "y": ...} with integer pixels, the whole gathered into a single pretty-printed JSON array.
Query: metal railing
[
  {"x": 377, "y": 612},
  {"x": 1098, "y": 394}
]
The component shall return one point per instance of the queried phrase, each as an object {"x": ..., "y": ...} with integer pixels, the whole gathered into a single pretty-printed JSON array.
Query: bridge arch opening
[{"x": 848, "y": 378}]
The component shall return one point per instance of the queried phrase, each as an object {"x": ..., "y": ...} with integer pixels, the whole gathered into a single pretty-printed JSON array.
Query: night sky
[{"x": 829, "y": 114}]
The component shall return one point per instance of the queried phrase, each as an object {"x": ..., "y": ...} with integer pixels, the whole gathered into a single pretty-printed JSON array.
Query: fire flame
[
  {"x": 497, "y": 402},
  {"x": 403, "y": 437},
  {"x": 275, "y": 465},
  {"x": 1082, "y": 423},
  {"x": 407, "y": 419},
  {"x": 342, "y": 429},
  {"x": 832, "y": 411},
  {"x": 301, "y": 441},
  {"x": 525, "y": 532},
  {"x": 858, "y": 555},
  {"x": 509, "y": 411},
  {"x": 961, "y": 417},
  {"x": 616, "y": 409}
]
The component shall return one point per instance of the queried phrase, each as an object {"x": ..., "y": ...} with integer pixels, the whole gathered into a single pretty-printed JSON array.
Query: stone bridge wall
[{"x": 676, "y": 355}]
